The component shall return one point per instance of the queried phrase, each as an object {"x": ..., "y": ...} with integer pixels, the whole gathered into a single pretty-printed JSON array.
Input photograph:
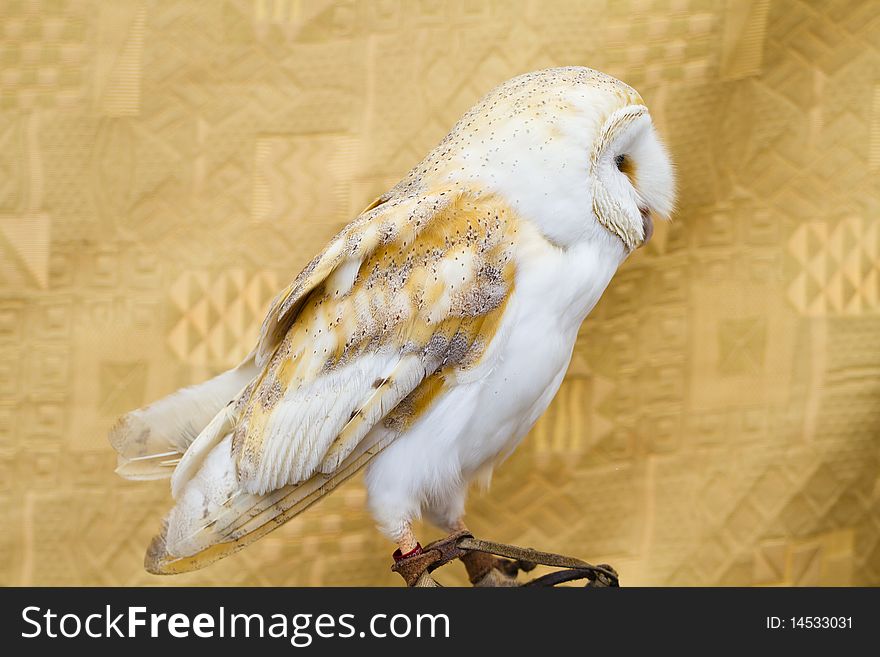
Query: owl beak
[{"x": 647, "y": 223}]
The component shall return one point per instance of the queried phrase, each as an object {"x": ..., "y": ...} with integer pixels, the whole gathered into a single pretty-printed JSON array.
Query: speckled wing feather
[{"x": 366, "y": 337}]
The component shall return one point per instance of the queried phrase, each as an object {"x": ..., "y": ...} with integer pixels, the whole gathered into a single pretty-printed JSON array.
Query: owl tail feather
[
  {"x": 151, "y": 440},
  {"x": 214, "y": 517}
]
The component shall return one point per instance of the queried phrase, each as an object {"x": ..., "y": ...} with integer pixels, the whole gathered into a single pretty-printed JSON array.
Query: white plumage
[{"x": 428, "y": 337}]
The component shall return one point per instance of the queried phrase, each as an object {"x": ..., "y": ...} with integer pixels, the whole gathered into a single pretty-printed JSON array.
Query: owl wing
[{"x": 352, "y": 352}]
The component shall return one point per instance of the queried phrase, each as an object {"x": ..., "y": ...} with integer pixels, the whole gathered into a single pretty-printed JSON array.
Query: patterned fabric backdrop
[{"x": 165, "y": 166}]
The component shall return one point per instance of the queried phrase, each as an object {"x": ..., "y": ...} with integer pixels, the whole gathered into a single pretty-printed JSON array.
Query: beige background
[{"x": 165, "y": 166}]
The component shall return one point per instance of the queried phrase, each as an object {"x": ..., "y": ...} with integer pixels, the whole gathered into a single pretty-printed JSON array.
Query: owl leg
[
  {"x": 409, "y": 560},
  {"x": 407, "y": 545}
]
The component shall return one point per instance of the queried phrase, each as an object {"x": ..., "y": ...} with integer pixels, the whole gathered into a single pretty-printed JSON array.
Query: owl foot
[
  {"x": 413, "y": 566},
  {"x": 487, "y": 566},
  {"x": 416, "y": 565},
  {"x": 487, "y": 570}
]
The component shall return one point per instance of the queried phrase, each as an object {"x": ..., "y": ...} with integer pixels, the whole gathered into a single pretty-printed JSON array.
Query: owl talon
[
  {"x": 487, "y": 570},
  {"x": 495, "y": 578}
]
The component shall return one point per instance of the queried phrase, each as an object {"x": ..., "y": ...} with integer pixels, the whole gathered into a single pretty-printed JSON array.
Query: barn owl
[{"x": 427, "y": 338}]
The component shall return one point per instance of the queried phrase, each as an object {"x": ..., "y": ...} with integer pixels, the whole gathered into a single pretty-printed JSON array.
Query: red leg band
[{"x": 397, "y": 556}]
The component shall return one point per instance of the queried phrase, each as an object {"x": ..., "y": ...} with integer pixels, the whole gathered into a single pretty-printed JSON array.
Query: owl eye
[{"x": 620, "y": 162}]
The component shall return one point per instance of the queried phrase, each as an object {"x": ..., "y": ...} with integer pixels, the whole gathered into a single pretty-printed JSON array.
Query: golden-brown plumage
[
  {"x": 402, "y": 297},
  {"x": 428, "y": 281}
]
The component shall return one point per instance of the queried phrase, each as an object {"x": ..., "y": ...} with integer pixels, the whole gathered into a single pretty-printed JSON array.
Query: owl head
[{"x": 571, "y": 149}]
